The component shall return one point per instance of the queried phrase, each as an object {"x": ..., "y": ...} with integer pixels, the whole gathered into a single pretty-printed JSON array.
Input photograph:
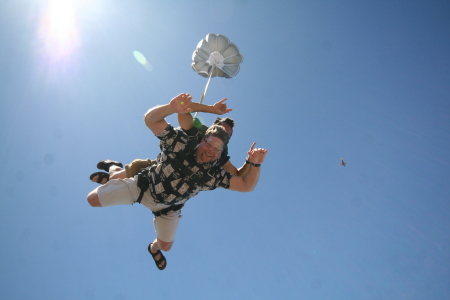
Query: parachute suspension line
[{"x": 206, "y": 88}]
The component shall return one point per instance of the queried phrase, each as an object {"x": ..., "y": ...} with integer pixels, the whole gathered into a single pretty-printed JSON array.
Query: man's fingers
[
  {"x": 253, "y": 146},
  {"x": 223, "y": 111}
]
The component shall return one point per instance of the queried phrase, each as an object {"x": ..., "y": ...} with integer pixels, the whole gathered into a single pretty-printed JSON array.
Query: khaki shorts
[{"x": 125, "y": 191}]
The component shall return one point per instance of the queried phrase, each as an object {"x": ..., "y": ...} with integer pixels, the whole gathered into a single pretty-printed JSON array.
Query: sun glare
[
  {"x": 58, "y": 38},
  {"x": 59, "y": 29}
]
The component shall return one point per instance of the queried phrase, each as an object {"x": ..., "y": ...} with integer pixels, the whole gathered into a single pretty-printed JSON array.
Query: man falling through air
[{"x": 183, "y": 169}]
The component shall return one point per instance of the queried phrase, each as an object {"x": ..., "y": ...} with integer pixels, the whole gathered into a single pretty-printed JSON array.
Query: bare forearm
[
  {"x": 198, "y": 107},
  {"x": 155, "y": 118},
  {"x": 245, "y": 183},
  {"x": 251, "y": 178},
  {"x": 242, "y": 171},
  {"x": 246, "y": 167},
  {"x": 249, "y": 181},
  {"x": 185, "y": 121},
  {"x": 158, "y": 113}
]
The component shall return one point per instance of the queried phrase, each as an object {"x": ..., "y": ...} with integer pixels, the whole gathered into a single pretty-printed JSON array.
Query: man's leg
[
  {"x": 93, "y": 200},
  {"x": 137, "y": 165},
  {"x": 116, "y": 172},
  {"x": 114, "y": 192},
  {"x": 111, "y": 166},
  {"x": 160, "y": 245},
  {"x": 102, "y": 177},
  {"x": 165, "y": 227}
]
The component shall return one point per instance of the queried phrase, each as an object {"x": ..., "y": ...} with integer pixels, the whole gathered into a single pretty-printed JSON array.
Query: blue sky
[{"x": 367, "y": 81}]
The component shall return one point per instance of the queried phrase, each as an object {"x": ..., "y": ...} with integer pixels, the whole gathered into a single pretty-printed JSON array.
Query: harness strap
[
  {"x": 166, "y": 210},
  {"x": 141, "y": 194},
  {"x": 143, "y": 184}
]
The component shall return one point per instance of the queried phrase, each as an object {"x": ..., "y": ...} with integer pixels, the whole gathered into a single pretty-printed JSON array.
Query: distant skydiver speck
[{"x": 343, "y": 163}]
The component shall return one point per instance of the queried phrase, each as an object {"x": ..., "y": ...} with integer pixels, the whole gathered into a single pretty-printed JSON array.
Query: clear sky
[{"x": 368, "y": 81}]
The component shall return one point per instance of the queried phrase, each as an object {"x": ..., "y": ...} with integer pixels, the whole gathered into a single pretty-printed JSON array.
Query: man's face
[{"x": 209, "y": 150}]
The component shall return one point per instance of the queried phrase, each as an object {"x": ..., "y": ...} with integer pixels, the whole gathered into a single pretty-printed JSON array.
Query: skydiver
[
  {"x": 183, "y": 169},
  {"x": 116, "y": 170},
  {"x": 343, "y": 163}
]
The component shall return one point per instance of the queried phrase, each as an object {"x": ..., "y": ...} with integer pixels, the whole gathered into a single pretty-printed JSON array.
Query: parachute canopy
[{"x": 216, "y": 56}]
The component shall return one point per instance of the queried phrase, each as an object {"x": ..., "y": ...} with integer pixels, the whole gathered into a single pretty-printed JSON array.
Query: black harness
[{"x": 166, "y": 210}]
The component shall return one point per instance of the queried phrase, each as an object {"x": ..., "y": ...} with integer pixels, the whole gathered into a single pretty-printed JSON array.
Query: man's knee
[
  {"x": 165, "y": 246},
  {"x": 93, "y": 200}
]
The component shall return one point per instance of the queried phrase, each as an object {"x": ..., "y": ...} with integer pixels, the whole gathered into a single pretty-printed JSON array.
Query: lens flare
[
  {"x": 142, "y": 60},
  {"x": 140, "y": 57}
]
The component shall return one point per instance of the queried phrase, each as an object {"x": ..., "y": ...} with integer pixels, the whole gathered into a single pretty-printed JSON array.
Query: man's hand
[
  {"x": 256, "y": 156},
  {"x": 220, "y": 107},
  {"x": 180, "y": 104},
  {"x": 251, "y": 147},
  {"x": 248, "y": 182},
  {"x": 155, "y": 118}
]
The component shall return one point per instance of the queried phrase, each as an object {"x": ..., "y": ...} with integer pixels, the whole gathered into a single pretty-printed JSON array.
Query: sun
[
  {"x": 58, "y": 30},
  {"x": 58, "y": 40}
]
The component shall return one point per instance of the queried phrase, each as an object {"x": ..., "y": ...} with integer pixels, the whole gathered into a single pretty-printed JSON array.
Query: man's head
[
  {"x": 212, "y": 145},
  {"x": 227, "y": 123}
]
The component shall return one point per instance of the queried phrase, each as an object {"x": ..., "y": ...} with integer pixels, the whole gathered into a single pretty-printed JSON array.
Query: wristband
[{"x": 255, "y": 165}]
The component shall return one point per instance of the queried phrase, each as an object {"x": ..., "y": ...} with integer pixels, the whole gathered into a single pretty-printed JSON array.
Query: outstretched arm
[
  {"x": 248, "y": 182},
  {"x": 219, "y": 108},
  {"x": 155, "y": 118},
  {"x": 230, "y": 168}
]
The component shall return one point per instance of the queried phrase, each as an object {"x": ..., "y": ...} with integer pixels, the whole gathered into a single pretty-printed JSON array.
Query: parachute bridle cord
[{"x": 206, "y": 88}]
